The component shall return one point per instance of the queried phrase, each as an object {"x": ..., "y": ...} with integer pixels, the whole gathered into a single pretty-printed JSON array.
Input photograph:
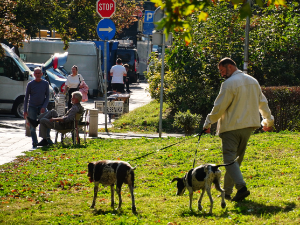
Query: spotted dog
[
  {"x": 202, "y": 178},
  {"x": 109, "y": 173}
]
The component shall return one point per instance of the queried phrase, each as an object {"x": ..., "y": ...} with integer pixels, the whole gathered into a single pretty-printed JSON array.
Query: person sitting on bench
[{"x": 50, "y": 119}]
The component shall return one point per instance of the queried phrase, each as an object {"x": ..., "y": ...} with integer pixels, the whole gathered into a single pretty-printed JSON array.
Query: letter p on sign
[{"x": 149, "y": 16}]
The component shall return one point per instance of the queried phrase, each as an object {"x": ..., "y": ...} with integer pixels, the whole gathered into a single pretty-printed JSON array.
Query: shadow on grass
[
  {"x": 257, "y": 209},
  {"x": 97, "y": 212},
  {"x": 246, "y": 208},
  {"x": 62, "y": 145}
]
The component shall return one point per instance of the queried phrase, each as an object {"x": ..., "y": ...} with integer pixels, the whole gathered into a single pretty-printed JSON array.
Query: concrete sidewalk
[{"x": 13, "y": 141}]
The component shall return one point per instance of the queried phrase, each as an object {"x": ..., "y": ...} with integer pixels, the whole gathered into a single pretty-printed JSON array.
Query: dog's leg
[
  {"x": 118, "y": 189},
  {"x": 112, "y": 197},
  {"x": 200, "y": 200},
  {"x": 96, "y": 184},
  {"x": 218, "y": 187},
  {"x": 132, "y": 198},
  {"x": 131, "y": 187},
  {"x": 191, "y": 198},
  {"x": 208, "y": 190}
]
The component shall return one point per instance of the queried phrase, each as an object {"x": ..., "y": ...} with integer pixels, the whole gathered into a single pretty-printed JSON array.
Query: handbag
[{"x": 79, "y": 83}]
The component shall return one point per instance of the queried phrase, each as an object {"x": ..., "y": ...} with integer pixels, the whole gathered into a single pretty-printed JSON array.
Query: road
[{"x": 13, "y": 141}]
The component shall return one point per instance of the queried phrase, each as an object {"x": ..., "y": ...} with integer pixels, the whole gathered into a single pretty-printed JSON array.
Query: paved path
[{"x": 13, "y": 141}]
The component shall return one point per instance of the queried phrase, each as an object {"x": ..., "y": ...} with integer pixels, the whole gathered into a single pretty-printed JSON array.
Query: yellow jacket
[{"x": 238, "y": 105}]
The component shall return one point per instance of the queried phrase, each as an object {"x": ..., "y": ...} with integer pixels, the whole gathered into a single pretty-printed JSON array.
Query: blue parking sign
[{"x": 148, "y": 16}]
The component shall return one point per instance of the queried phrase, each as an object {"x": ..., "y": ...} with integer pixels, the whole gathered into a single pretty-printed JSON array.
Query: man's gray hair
[
  {"x": 37, "y": 68},
  {"x": 77, "y": 94}
]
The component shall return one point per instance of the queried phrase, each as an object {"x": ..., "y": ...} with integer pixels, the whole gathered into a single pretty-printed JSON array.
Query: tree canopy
[
  {"x": 178, "y": 12},
  {"x": 72, "y": 19},
  {"x": 192, "y": 79}
]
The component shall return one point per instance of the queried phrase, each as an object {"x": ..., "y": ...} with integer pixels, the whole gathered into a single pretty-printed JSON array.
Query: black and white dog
[
  {"x": 202, "y": 178},
  {"x": 109, "y": 173}
]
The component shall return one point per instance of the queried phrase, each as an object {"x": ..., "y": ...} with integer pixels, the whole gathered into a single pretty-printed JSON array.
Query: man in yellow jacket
[{"x": 237, "y": 109}]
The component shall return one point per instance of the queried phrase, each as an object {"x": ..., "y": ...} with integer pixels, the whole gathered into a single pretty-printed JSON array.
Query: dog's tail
[
  {"x": 217, "y": 166},
  {"x": 133, "y": 168}
]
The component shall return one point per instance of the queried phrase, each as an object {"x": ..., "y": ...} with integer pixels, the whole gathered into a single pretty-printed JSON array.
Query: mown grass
[
  {"x": 145, "y": 119},
  {"x": 50, "y": 185}
]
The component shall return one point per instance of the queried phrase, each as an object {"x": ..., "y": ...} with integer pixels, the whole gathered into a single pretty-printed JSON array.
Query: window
[
  {"x": 124, "y": 55},
  {"x": 8, "y": 68}
]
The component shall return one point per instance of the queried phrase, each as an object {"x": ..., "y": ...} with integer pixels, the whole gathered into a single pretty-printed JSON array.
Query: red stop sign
[{"x": 106, "y": 8}]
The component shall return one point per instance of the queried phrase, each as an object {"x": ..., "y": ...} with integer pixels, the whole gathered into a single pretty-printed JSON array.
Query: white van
[
  {"x": 84, "y": 54},
  {"x": 14, "y": 76}
]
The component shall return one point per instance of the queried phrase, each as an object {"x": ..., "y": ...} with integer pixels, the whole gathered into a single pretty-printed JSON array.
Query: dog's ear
[
  {"x": 175, "y": 179},
  {"x": 91, "y": 166}
]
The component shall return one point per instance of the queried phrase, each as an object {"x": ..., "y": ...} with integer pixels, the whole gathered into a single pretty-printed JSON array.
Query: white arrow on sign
[{"x": 109, "y": 29}]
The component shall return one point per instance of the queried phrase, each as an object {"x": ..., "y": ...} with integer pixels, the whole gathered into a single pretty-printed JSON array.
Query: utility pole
[{"x": 246, "y": 48}]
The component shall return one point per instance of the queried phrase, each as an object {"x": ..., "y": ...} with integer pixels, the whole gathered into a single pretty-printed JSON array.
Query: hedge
[{"x": 284, "y": 103}]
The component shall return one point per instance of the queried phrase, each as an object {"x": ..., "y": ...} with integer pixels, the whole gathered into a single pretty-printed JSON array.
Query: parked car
[
  {"x": 130, "y": 56},
  {"x": 56, "y": 79},
  {"x": 64, "y": 71},
  {"x": 14, "y": 76}
]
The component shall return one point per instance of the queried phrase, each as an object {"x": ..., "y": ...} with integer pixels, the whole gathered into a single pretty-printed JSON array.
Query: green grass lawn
[
  {"x": 145, "y": 120},
  {"x": 50, "y": 185}
]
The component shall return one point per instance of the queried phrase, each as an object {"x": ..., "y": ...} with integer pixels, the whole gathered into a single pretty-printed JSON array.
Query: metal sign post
[
  {"x": 106, "y": 30},
  {"x": 105, "y": 87},
  {"x": 162, "y": 84}
]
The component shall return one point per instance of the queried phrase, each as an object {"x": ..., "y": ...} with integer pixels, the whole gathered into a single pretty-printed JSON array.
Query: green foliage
[
  {"x": 71, "y": 19},
  {"x": 50, "y": 185},
  {"x": 10, "y": 33},
  {"x": 178, "y": 13},
  {"x": 187, "y": 121},
  {"x": 284, "y": 103},
  {"x": 193, "y": 81},
  {"x": 274, "y": 51}
]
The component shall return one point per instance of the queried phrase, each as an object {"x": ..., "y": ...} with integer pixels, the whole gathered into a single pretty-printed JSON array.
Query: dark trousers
[{"x": 127, "y": 83}]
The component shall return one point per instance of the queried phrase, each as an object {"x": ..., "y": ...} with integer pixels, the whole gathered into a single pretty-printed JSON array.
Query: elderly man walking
[
  {"x": 237, "y": 109},
  {"x": 36, "y": 101}
]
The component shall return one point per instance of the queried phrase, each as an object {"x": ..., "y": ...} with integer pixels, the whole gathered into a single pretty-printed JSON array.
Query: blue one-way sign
[{"x": 106, "y": 29}]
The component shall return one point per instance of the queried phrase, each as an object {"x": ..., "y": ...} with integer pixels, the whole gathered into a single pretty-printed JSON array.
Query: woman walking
[{"x": 73, "y": 83}]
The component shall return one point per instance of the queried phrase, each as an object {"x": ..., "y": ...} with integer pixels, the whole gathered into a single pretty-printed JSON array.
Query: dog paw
[
  {"x": 134, "y": 209},
  {"x": 92, "y": 206},
  {"x": 200, "y": 207},
  {"x": 223, "y": 205}
]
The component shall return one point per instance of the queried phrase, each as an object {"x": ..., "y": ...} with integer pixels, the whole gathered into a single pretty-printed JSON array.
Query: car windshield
[
  {"x": 124, "y": 55},
  {"x": 56, "y": 73},
  {"x": 54, "y": 76},
  {"x": 62, "y": 72},
  {"x": 62, "y": 69},
  {"x": 21, "y": 64}
]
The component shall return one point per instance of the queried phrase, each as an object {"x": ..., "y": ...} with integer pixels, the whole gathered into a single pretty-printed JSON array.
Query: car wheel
[{"x": 18, "y": 109}]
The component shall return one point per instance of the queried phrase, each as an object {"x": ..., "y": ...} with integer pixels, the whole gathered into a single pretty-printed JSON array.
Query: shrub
[
  {"x": 284, "y": 103},
  {"x": 187, "y": 121}
]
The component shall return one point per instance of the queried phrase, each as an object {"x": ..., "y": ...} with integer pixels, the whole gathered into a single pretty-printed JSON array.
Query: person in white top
[
  {"x": 118, "y": 72},
  {"x": 73, "y": 83},
  {"x": 237, "y": 109}
]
